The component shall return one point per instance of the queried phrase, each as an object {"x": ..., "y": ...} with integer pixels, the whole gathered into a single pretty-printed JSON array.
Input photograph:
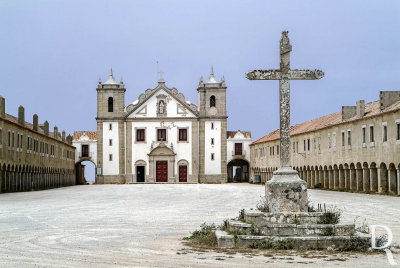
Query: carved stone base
[{"x": 286, "y": 192}]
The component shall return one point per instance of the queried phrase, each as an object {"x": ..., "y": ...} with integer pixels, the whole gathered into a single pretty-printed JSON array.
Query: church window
[
  {"x": 12, "y": 139},
  {"x": 17, "y": 140},
  {"x": 212, "y": 141},
  {"x": 343, "y": 139},
  {"x": 212, "y": 101},
  {"x": 294, "y": 148},
  {"x": 161, "y": 134},
  {"x": 9, "y": 138},
  {"x": 110, "y": 142},
  {"x": 1, "y": 136},
  {"x": 182, "y": 134},
  {"x": 349, "y": 137},
  {"x": 371, "y": 134},
  {"x": 161, "y": 107},
  {"x": 110, "y": 105},
  {"x": 140, "y": 135},
  {"x": 212, "y": 156},
  {"x": 398, "y": 131},
  {"x": 110, "y": 157},
  {"x": 110, "y": 126},
  {"x": 212, "y": 125},
  {"x": 297, "y": 146},
  {"x": 334, "y": 139},
  {"x": 304, "y": 145},
  {"x": 277, "y": 149},
  {"x": 364, "y": 134},
  {"x": 319, "y": 143},
  {"x": 384, "y": 132},
  {"x": 308, "y": 144},
  {"x": 329, "y": 141}
]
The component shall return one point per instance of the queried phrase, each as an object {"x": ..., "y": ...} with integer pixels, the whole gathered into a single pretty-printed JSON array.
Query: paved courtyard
[{"x": 142, "y": 225}]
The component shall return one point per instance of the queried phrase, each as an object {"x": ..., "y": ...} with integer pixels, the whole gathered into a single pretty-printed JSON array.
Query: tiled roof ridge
[
  {"x": 369, "y": 112},
  {"x": 28, "y": 125}
]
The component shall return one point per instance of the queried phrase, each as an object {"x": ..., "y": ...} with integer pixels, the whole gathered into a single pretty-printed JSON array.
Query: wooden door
[
  {"x": 161, "y": 171},
  {"x": 238, "y": 149},
  {"x": 182, "y": 173}
]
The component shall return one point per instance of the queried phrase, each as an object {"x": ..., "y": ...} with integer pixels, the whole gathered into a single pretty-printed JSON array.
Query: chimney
[
  {"x": 55, "y": 132},
  {"x": 348, "y": 112},
  {"x": 360, "y": 108},
  {"x": 2, "y": 107},
  {"x": 387, "y": 98},
  {"x": 69, "y": 139},
  {"x": 63, "y": 135},
  {"x": 46, "y": 128},
  {"x": 21, "y": 115},
  {"x": 35, "y": 122}
]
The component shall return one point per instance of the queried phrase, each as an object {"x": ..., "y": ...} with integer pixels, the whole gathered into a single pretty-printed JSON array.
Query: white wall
[
  {"x": 212, "y": 167},
  {"x": 92, "y": 149},
  {"x": 239, "y": 138},
  {"x": 110, "y": 167},
  {"x": 183, "y": 150}
]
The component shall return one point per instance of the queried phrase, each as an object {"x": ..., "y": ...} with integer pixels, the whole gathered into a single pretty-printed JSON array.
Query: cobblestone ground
[{"x": 142, "y": 225}]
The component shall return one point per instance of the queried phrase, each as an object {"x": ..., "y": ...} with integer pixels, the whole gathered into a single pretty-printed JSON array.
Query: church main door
[{"x": 161, "y": 171}]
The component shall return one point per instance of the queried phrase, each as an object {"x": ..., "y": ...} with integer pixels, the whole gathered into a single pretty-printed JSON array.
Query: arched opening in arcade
[
  {"x": 85, "y": 172},
  {"x": 238, "y": 170}
]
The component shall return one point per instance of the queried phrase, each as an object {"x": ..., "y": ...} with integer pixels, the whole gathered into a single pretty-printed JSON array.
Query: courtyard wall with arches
[
  {"x": 357, "y": 149},
  {"x": 31, "y": 157}
]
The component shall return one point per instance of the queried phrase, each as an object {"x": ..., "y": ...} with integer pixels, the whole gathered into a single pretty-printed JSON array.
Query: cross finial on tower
[
  {"x": 111, "y": 72},
  {"x": 212, "y": 71}
]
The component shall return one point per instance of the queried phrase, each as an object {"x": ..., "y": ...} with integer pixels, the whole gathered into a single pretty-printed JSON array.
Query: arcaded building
[
  {"x": 356, "y": 149},
  {"x": 31, "y": 157}
]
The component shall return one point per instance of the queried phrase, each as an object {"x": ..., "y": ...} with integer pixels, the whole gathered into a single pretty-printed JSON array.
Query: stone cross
[
  {"x": 284, "y": 75},
  {"x": 285, "y": 191}
]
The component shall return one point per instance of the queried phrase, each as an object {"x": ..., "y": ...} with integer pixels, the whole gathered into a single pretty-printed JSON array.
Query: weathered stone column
[
  {"x": 336, "y": 178},
  {"x": 398, "y": 181}
]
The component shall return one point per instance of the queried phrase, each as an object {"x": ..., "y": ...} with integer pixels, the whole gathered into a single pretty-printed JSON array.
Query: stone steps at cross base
[
  {"x": 289, "y": 229},
  {"x": 296, "y": 242},
  {"x": 257, "y": 216}
]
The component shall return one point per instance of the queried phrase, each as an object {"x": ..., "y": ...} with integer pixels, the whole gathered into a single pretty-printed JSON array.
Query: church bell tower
[
  {"x": 110, "y": 131},
  {"x": 213, "y": 125}
]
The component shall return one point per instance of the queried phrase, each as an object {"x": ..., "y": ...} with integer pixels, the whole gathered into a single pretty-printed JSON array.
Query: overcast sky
[{"x": 53, "y": 52}]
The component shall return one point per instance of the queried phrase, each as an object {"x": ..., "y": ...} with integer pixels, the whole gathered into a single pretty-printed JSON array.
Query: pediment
[
  {"x": 162, "y": 150},
  {"x": 184, "y": 107}
]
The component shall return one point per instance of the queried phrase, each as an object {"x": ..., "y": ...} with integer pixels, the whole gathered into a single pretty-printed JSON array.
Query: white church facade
[{"x": 162, "y": 137}]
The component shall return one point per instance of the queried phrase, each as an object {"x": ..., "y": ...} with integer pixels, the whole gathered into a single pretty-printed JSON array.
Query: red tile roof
[
  {"x": 91, "y": 134},
  {"x": 371, "y": 109}
]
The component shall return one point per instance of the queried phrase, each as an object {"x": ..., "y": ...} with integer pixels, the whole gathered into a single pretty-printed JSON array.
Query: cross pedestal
[{"x": 285, "y": 192}]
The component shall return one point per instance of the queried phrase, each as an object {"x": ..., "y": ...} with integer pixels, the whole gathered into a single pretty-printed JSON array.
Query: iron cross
[{"x": 284, "y": 75}]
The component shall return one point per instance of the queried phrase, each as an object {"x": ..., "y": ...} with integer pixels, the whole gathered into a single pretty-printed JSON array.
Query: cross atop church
[
  {"x": 161, "y": 74},
  {"x": 284, "y": 75}
]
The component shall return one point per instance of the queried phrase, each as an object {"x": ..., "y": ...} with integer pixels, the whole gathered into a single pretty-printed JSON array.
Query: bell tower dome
[{"x": 110, "y": 98}]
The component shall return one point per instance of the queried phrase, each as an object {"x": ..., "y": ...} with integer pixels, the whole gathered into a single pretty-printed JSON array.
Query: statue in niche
[{"x": 161, "y": 107}]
